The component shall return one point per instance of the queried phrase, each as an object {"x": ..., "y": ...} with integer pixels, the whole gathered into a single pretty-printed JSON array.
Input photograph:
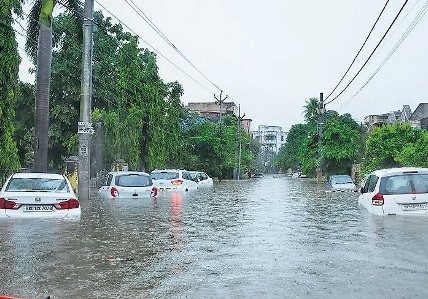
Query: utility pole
[
  {"x": 85, "y": 126},
  {"x": 240, "y": 140},
  {"x": 220, "y": 101},
  {"x": 321, "y": 110}
]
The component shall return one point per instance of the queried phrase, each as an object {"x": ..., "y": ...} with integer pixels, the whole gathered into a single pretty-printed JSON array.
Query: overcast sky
[{"x": 271, "y": 56}]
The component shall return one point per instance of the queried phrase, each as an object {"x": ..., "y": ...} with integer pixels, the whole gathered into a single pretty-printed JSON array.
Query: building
[
  {"x": 419, "y": 118},
  {"x": 211, "y": 110},
  {"x": 271, "y": 138},
  {"x": 378, "y": 120}
]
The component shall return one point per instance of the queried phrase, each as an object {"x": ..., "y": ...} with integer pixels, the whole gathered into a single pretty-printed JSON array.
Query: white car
[
  {"x": 202, "y": 179},
  {"x": 341, "y": 182},
  {"x": 33, "y": 195},
  {"x": 127, "y": 184},
  {"x": 396, "y": 191},
  {"x": 173, "y": 179}
]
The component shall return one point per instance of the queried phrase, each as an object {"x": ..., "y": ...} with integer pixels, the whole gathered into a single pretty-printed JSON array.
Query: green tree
[
  {"x": 385, "y": 146},
  {"x": 9, "y": 64},
  {"x": 311, "y": 111},
  {"x": 415, "y": 154},
  {"x": 288, "y": 155},
  {"x": 39, "y": 46}
]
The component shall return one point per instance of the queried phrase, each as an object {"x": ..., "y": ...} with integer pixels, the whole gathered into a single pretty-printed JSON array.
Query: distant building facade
[
  {"x": 419, "y": 117},
  {"x": 211, "y": 111},
  {"x": 378, "y": 120},
  {"x": 271, "y": 138}
]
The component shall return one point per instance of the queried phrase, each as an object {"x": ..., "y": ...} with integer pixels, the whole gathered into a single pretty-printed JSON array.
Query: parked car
[
  {"x": 202, "y": 179},
  {"x": 173, "y": 179},
  {"x": 127, "y": 184},
  {"x": 341, "y": 182},
  {"x": 32, "y": 195},
  {"x": 396, "y": 191}
]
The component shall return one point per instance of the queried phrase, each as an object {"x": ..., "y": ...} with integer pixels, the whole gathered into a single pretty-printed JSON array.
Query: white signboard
[{"x": 84, "y": 127}]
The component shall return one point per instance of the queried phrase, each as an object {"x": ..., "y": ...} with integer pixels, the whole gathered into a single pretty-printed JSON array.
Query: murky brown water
[{"x": 262, "y": 238}]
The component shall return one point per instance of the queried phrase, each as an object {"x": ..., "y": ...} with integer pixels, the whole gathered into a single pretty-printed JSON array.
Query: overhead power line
[
  {"x": 359, "y": 51},
  {"x": 415, "y": 21},
  {"x": 164, "y": 37},
  {"x": 383, "y": 37},
  {"x": 153, "y": 48}
]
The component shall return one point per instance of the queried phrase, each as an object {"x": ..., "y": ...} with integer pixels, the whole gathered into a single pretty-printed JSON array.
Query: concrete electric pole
[
  {"x": 321, "y": 110},
  {"x": 85, "y": 126},
  {"x": 220, "y": 101}
]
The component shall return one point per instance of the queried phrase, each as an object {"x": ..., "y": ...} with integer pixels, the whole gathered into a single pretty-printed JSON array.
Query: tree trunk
[{"x": 41, "y": 121}]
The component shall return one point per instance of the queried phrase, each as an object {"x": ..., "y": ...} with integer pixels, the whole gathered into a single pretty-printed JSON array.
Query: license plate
[
  {"x": 414, "y": 207},
  {"x": 39, "y": 208}
]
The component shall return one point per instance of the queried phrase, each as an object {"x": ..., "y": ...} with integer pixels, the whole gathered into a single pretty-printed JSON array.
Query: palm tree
[
  {"x": 311, "y": 110},
  {"x": 39, "y": 46}
]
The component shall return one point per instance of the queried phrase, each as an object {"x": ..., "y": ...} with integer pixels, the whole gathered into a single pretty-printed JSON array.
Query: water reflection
[{"x": 273, "y": 237}]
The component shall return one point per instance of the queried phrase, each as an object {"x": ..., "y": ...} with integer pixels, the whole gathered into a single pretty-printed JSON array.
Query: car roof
[
  {"x": 128, "y": 172},
  {"x": 398, "y": 170},
  {"x": 166, "y": 170},
  {"x": 340, "y": 176},
  {"x": 38, "y": 175}
]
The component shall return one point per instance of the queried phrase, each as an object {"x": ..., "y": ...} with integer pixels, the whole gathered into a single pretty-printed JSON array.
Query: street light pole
[{"x": 84, "y": 126}]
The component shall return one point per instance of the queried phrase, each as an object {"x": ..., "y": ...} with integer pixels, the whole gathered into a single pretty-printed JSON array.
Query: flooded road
[{"x": 261, "y": 238}]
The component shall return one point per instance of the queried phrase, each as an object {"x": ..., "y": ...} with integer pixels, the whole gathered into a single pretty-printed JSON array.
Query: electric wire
[
  {"x": 415, "y": 21},
  {"x": 359, "y": 51},
  {"x": 164, "y": 37},
  {"x": 359, "y": 71},
  {"x": 154, "y": 49}
]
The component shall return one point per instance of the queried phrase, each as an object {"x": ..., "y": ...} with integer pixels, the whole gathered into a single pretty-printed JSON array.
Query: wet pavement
[{"x": 272, "y": 237}]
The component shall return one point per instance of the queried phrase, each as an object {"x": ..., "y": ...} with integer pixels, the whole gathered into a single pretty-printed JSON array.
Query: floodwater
[{"x": 273, "y": 237}]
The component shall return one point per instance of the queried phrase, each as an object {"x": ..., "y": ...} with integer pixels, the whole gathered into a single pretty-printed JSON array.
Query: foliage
[
  {"x": 288, "y": 155},
  {"x": 9, "y": 63},
  {"x": 415, "y": 154},
  {"x": 311, "y": 111},
  {"x": 393, "y": 145}
]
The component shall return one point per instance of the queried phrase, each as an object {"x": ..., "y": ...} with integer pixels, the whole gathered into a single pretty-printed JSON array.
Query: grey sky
[{"x": 270, "y": 56}]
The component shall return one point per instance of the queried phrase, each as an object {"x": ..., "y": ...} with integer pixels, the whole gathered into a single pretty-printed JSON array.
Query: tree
[
  {"x": 390, "y": 146},
  {"x": 9, "y": 64},
  {"x": 39, "y": 46},
  {"x": 288, "y": 155},
  {"x": 311, "y": 111}
]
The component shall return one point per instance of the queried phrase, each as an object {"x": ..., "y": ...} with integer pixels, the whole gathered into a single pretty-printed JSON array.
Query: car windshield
[
  {"x": 133, "y": 180},
  {"x": 37, "y": 184},
  {"x": 167, "y": 175},
  {"x": 342, "y": 179}
]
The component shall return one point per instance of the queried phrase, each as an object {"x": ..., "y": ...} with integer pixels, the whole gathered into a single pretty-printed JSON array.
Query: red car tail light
[
  {"x": 72, "y": 203},
  {"x": 177, "y": 182},
  {"x": 8, "y": 204},
  {"x": 114, "y": 192},
  {"x": 378, "y": 200}
]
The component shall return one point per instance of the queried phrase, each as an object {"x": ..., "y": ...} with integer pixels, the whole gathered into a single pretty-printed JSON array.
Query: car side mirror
[{"x": 363, "y": 190}]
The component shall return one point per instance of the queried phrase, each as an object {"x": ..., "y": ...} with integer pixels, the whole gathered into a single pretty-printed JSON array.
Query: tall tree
[
  {"x": 39, "y": 47},
  {"x": 9, "y": 65},
  {"x": 311, "y": 110}
]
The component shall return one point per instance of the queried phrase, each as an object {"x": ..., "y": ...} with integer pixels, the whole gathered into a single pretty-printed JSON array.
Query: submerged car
[
  {"x": 341, "y": 182},
  {"x": 396, "y": 191},
  {"x": 173, "y": 179},
  {"x": 201, "y": 178},
  {"x": 127, "y": 184},
  {"x": 32, "y": 195}
]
